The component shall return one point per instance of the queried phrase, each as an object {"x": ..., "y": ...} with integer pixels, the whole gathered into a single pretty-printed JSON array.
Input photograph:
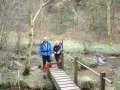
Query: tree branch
[
  {"x": 73, "y": 10},
  {"x": 40, "y": 10}
]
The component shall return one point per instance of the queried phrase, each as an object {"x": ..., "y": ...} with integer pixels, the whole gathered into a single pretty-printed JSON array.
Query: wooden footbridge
[{"x": 63, "y": 81}]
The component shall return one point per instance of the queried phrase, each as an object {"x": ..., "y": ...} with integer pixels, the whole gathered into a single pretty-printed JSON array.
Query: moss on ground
[
  {"x": 86, "y": 83},
  {"x": 72, "y": 46},
  {"x": 117, "y": 81},
  {"x": 6, "y": 84},
  {"x": 89, "y": 62},
  {"x": 34, "y": 80}
]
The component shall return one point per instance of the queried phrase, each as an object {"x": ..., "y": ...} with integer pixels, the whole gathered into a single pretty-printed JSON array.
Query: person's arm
[
  {"x": 51, "y": 50},
  {"x": 61, "y": 48}
]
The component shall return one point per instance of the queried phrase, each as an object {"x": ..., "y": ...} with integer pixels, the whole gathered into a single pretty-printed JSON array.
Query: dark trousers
[
  {"x": 57, "y": 57},
  {"x": 46, "y": 59}
]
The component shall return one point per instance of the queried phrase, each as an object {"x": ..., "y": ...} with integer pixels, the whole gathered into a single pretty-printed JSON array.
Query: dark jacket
[
  {"x": 56, "y": 48},
  {"x": 45, "y": 50}
]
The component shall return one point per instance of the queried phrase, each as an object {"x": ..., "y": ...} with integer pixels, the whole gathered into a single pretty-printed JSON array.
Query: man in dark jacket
[
  {"x": 57, "y": 52},
  {"x": 45, "y": 50}
]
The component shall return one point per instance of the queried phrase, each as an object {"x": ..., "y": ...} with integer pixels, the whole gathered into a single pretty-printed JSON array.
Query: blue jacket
[{"x": 45, "y": 50}]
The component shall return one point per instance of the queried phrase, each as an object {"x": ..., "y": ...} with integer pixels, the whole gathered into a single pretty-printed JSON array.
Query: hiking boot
[{"x": 44, "y": 67}]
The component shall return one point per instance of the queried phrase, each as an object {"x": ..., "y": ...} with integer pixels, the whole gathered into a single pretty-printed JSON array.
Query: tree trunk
[
  {"x": 29, "y": 49},
  {"x": 3, "y": 41},
  {"x": 109, "y": 2},
  {"x": 31, "y": 24},
  {"x": 18, "y": 42},
  {"x": 58, "y": 21}
]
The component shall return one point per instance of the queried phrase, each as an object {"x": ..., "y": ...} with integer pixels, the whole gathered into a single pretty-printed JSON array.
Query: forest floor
[{"x": 110, "y": 68}]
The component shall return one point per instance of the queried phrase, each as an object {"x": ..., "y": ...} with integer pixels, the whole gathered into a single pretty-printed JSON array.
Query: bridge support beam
[
  {"x": 62, "y": 59},
  {"x": 75, "y": 70},
  {"x": 48, "y": 70},
  {"x": 102, "y": 81}
]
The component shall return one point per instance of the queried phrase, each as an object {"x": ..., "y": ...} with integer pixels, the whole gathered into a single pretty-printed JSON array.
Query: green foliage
[
  {"x": 2, "y": 64},
  {"x": 5, "y": 84},
  {"x": 33, "y": 80},
  {"x": 86, "y": 82},
  {"x": 22, "y": 83},
  {"x": 63, "y": 30},
  {"x": 67, "y": 23},
  {"x": 7, "y": 78},
  {"x": 117, "y": 81},
  {"x": 68, "y": 17},
  {"x": 11, "y": 79},
  {"x": 106, "y": 49},
  {"x": 52, "y": 39},
  {"x": 72, "y": 46},
  {"x": 27, "y": 79},
  {"x": 89, "y": 62}
]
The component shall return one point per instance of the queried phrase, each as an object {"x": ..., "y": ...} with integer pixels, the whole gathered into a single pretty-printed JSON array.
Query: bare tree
[
  {"x": 4, "y": 24},
  {"x": 109, "y": 3},
  {"x": 18, "y": 43},
  {"x": 31, "y": 25}
]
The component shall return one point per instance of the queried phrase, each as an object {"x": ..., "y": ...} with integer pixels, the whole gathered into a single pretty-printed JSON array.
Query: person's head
[
  {"x": 60, "y": 42},
  {"x": 45, "y": 39},
  {"x": 57, "y": 42}
]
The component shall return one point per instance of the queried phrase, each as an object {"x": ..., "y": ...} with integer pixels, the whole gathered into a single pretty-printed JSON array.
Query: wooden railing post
[
  {"x": 102, "y": 80},
  {"x": 48, "y": 70},
  {"x": 62, "y": 58},
  {"x": 75, "y": 70}
]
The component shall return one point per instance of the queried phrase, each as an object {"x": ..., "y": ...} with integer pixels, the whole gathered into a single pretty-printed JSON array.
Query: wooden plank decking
[{"x": 61, "y": 80}]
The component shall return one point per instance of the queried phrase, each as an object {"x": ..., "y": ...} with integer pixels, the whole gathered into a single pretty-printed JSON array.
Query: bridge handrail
[
  {"x": 89, "y": 68},
  {"x": 68, "y": 55}
]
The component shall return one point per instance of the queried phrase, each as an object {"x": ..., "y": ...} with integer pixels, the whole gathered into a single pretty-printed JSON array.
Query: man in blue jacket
[{"x": 45, "y": 50}]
